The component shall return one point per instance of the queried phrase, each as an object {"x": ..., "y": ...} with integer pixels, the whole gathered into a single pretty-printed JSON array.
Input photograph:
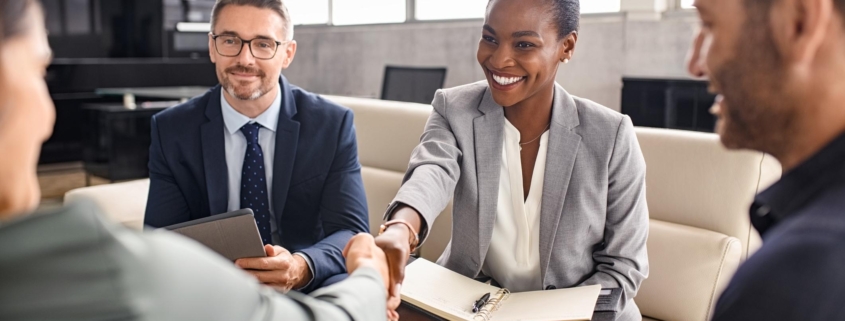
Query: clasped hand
[{"x": 280, "y": 269}]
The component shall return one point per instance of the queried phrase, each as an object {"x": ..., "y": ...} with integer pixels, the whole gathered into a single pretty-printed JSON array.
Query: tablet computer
[{"x": 233, "y": 235}]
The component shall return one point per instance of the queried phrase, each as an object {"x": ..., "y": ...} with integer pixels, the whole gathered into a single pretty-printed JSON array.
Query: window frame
[{"x": 411, "y": 5}]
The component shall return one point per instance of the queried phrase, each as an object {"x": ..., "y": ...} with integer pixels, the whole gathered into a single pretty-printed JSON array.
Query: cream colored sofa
[
  {"x": 698, "y": 196},
  {"x": 121, "y": 202},
  {"x": 379, "y": 124}
]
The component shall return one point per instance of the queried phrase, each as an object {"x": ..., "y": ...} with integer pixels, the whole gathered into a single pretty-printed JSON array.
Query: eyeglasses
[{"x": 231, "y": 46}]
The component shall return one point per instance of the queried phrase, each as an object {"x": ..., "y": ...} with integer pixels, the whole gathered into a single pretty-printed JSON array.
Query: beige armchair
[
  {"x": 698, "y": 198},
  {"x": 388, "y": 132},
  {"x": 122, "y": 202}
]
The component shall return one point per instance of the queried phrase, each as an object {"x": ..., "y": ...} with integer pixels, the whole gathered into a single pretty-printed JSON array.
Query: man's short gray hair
[{"x": 276, "y": 5}]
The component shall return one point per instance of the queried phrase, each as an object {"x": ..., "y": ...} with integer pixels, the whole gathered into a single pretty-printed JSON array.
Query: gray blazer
[
  {"x": 72, "y": 265},
  {"x": 594, "y": 218}
]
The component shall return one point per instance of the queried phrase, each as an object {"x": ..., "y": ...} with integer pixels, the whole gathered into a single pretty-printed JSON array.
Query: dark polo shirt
[{"x": 799, "y": 273}]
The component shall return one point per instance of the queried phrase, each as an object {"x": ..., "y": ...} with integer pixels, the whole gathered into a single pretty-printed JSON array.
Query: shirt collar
[
  {"x": 511, "y": 132},
  {"x": 234, "y": 120},
  {"x": 800, "y": 186}
]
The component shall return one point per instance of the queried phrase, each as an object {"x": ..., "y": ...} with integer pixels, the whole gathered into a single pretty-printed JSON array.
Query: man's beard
[
  {"x": 243, "y": 93},
  {"x": 757, "y": 112}
]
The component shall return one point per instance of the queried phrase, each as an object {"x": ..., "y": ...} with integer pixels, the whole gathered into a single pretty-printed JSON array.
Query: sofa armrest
[{"x": 689, "y": 269}]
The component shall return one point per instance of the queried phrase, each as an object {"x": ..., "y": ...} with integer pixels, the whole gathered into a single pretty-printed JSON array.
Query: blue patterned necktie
[{"x": 253, "y": 182}]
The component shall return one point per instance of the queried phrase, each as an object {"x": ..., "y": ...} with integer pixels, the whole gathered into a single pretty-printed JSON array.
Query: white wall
[{"x": 350, "y": 60}]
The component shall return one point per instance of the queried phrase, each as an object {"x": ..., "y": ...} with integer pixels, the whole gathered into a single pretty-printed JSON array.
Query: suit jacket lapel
[
  {"x": 287, "y": 140},
  {"x": 489, "y": 132},
  {"x": 214, "y": 156},
  {"x": 562, "y": 151}
]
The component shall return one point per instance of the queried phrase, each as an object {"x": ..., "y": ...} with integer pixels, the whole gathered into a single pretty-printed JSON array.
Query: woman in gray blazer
[{"x": 548, "y": 188}]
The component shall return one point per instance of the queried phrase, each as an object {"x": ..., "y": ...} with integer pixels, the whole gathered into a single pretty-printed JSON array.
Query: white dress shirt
[
  {"x": 235, "y": 144},
  {"x": 513, "y": 258}
]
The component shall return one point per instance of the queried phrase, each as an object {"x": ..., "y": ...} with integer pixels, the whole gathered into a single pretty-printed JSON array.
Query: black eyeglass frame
[{"x": 248, "y": 43}]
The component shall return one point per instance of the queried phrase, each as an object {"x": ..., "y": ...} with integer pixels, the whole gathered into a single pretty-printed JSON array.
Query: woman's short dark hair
[
  {"x": 12, "y": 17},
  {"x": 567, "y": 15}
]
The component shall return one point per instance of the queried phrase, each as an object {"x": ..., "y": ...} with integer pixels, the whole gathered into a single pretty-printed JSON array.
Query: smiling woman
[{"x": 548, "y": 188}]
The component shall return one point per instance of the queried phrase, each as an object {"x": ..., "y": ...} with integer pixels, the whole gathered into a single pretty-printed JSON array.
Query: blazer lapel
[
  {"x": 562, "y": 152},
  {"x": 287, "y": 141},
  {"x": 214, "y": 156},
  {"x": 489, "y": 132}
]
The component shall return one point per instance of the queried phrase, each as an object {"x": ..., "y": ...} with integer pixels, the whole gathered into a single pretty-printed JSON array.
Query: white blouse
[{"x": 513, "y": 258}]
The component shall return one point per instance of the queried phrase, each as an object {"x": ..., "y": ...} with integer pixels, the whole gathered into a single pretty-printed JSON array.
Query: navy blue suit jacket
[{"x": 318, "y": 194}]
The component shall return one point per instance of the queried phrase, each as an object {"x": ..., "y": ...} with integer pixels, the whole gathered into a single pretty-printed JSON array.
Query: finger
[
  {"x": 252, "y": 263},
  {"x": 393, "y": 302},
  {"x": 264, "y": 263},
  {"x": 392, "y": 315},
  {"x": 274, "y": 250},
  {"x": 346, "y": 248},
  {"x": 396, "y": 260},
  {"x": 352, "y": 245},
  {"x": 275, "y": 279},
  {"x": 264, "y": 277},
  {"x": 280, "y": 251}
]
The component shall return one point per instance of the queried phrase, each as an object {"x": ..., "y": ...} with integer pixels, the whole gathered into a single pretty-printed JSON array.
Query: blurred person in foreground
[
  {"x": 778, "y": 67},
  {"x": 70, "y": 264}
]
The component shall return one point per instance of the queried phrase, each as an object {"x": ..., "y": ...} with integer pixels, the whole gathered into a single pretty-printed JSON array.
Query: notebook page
[
  {"x": 553, "y": 305},
  {"x": 442, "y": 291}
]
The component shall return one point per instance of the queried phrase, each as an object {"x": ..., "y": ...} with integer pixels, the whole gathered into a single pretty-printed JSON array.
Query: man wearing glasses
[{"x": 257, "y": 142}]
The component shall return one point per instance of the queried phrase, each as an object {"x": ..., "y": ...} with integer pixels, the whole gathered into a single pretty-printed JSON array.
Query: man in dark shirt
[{"x": 779, "y": 69}]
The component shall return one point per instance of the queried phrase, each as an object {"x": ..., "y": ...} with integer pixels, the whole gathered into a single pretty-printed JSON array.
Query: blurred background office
[{"x": 118, "y": 62}]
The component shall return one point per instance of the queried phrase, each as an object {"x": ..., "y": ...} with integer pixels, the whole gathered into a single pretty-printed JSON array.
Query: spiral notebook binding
[{"x": 486, "y": 312}]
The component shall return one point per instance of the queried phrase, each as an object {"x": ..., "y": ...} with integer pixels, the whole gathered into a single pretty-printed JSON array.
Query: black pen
[{"x": 480, "y": 303}]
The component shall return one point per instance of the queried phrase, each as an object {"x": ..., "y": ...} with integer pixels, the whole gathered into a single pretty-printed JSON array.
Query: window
[
  {"x": 308, "y": 12},
  {"x": 450, "y": 9},
  {"x": 687, "y": 4},
  {"x": 594, "y": 6},
  {"x": 357, "y": 12}
]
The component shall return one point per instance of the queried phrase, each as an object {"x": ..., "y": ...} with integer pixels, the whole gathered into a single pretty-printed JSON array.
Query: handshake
[{"x": 362, "y": 252}]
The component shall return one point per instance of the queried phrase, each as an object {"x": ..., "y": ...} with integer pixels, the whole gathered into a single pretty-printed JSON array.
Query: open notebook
[{"x": 450, "y": 295}]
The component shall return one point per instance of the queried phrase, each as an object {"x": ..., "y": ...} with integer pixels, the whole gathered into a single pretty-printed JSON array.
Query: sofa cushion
[
  {"x": 124, "y": 203},
  {"x": 380, "y": 186},
  {"x": 689, "y": 267},
  {"x": 387, "y": 131},
  {"x": 693, "y": 180}
]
